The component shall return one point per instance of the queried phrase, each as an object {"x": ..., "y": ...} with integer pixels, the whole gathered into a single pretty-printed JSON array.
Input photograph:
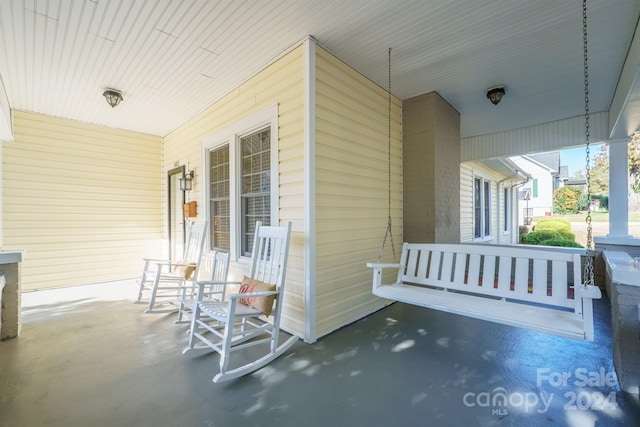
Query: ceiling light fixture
[
  {"x": 495, "y": 94},
  {"x": 113, "y": 97}
]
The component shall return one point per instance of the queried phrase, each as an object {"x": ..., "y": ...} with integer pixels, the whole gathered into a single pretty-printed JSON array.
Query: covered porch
[{"x": 90, "y": 357}]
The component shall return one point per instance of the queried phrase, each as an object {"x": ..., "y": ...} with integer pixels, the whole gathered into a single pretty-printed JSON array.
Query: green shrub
[
  {"x": 552, "y": 223},
  {"x": 561, "y": 242},
  {"x": 537, "y": 237},
  {"x": 560, "y": 225}
]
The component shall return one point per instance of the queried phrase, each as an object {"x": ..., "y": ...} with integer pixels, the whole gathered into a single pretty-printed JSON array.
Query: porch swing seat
[
  {"x": 536, "y": 289},
  {"x": 250, "y": 316}
]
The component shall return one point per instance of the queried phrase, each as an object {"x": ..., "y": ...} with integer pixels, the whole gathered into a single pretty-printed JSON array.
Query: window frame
[
  {"x": 486, "y": 210},
  {"x": 231, "y": 136}
]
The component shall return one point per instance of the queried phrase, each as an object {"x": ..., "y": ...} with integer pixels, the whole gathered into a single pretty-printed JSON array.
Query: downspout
[{"x": 518, "y": 210}]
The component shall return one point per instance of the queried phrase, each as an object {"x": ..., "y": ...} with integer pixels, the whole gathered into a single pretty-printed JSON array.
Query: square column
[{"x": 618, "y": 189}]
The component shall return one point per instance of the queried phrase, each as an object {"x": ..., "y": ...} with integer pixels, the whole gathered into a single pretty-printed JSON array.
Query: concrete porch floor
[{"x": 88, "y": 356}]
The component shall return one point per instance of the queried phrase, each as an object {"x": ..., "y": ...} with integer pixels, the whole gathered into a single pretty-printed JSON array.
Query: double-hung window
[
  {"x": 481, "y": 208},
  {"x": 241, "y": 165}
]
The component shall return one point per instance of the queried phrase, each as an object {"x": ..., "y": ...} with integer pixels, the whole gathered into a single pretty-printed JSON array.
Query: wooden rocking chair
[
  {"x": 164, "y": 278},
  {"x": 248, "y": 318},
  {"x": 208, "y": 284}
]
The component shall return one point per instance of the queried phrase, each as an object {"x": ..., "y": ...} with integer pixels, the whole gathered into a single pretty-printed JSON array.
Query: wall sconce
[
  {"x": 113, "y": 97},
  {"x": 186, "y": 182},
  {"x": 495, "y": 94}
]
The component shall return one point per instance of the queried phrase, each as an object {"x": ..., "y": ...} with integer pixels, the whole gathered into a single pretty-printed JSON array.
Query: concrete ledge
[
  {"x": 621, "y": 268},
  {"x": 10, "y": 301},
  {"x": 623, "y": 287}
]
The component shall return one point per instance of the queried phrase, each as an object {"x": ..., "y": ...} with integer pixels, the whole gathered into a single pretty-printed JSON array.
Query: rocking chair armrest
[
  {"x": 155, "y": 259},
  {"x": 253, "y": 294},
  {"x": 201, "y": 283},
  {"x": 170, "y": 263}
]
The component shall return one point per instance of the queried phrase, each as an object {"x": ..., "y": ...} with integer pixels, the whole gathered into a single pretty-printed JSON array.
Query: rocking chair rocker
[
  {"x": 164, "y": 278},
  {"x": 248, "y": 318}
]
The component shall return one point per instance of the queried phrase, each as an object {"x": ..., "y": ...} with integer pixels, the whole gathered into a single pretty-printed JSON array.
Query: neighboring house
[
  {"x": 545, "y": 179},
  {"x": 489, "y": 201}
]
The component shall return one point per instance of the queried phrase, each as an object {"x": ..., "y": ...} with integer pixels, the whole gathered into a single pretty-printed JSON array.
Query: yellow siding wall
[
  {"x": 82, "y": 200},
  {"x": 281, "y": 83},
  {"x": 351, "y": 189}
]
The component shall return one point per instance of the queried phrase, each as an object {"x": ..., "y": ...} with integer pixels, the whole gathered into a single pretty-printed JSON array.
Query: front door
[{"x": 176, "y": 213}]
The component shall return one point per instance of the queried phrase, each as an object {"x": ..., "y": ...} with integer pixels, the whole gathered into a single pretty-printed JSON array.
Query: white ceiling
[{"x": 171, "y": 59}]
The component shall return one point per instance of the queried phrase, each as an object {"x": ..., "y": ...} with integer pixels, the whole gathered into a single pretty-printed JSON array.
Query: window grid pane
[
  {"x": 219, "y": 202},
  {"x": 255, "y": 174}
]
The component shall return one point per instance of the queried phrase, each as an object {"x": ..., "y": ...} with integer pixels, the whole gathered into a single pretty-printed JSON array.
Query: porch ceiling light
[
  {"x": 186, "y": 182},
  {"x": 113, "y": 97},
  {"x": 495, "y": 94}
]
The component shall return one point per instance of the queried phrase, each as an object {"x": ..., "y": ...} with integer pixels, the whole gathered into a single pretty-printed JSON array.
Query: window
[
  {"x": 506, "y": 195},
  {"x": 481, "y": 208},
  {"x": 240, "y": 165},
  {"x": 256, "y": 184},
  {"x": 219, "y": 201},
  {"x": 535, "y": 188}
]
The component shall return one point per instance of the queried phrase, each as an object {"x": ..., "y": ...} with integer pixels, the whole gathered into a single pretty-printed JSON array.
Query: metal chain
[
  {"x": 389, "y": 232},
  {"x": 588, "y": 267}
]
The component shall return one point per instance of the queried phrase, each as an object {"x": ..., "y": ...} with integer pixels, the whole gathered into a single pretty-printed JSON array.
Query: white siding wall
[
  {"x": 542, "y": 202},
  {"x": 535, "y": 139},
  {"x": 82, "y": 200}
]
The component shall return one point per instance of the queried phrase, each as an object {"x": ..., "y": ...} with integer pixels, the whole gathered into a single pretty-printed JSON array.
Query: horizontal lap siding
[
  {"x": 351, "y": 189},
  {"x": 280, "y": 83},
  {"x": 82, "y": 200}
]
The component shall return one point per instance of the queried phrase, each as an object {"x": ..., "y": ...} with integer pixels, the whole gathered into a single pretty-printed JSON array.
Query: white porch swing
[{"x": 537, "y": 289}]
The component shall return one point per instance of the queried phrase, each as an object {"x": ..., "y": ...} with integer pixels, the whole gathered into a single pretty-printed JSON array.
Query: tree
[
  {"x": 634, "y": 162},
  {"x": 599, "y": 173},
  {"x": 567, "y": 200}
]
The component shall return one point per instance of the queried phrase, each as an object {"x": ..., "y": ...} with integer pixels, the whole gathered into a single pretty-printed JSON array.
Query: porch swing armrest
[
  {"x": 590, "y": 291},
  {"x": 380, "y": 266},
  {"x": 377, "y": 272}
]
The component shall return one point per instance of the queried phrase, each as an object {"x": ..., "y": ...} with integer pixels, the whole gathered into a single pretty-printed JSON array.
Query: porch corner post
[
  {"x": 310, "y": 307},
  {"x": 618, "y": 189}
]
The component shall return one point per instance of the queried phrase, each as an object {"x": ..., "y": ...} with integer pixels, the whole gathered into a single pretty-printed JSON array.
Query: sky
[{"x": 575, "y": 158}]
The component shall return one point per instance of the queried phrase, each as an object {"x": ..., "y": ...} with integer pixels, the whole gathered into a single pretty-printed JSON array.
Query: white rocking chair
[
  {"x": 209, "y": 284},
  {"x": 164, "y": 278},
  {"x": 248, "y": 318}
]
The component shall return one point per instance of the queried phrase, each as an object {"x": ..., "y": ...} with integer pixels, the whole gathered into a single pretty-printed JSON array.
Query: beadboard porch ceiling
[{"x": 171, "y": 59}]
